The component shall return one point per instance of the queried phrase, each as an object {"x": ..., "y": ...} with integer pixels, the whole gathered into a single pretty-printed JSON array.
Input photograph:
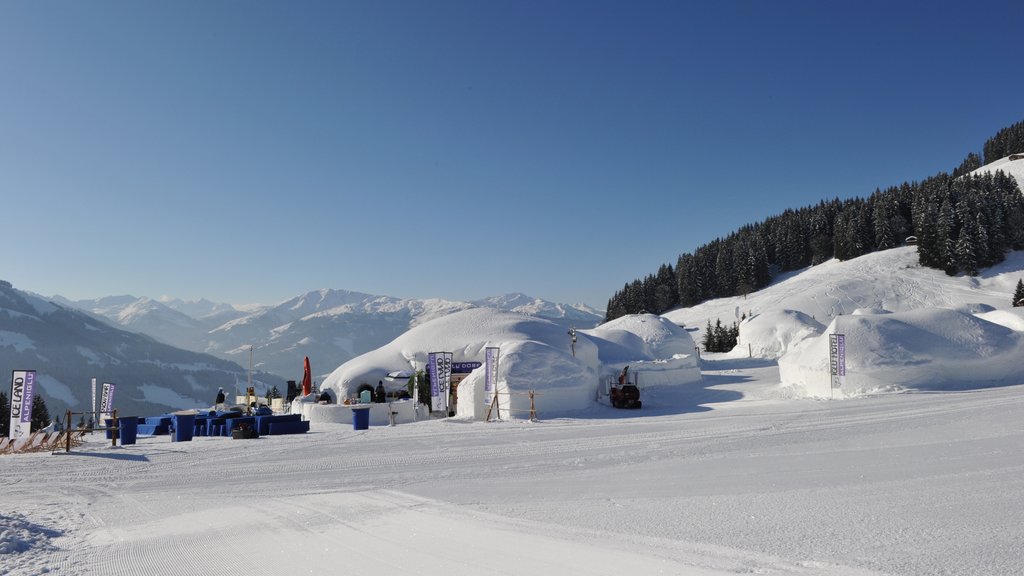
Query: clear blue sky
[{"x": 252, "y": 151}]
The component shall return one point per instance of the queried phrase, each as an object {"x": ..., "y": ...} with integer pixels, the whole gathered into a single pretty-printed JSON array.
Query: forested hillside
[{"x": 961, "y": 223}]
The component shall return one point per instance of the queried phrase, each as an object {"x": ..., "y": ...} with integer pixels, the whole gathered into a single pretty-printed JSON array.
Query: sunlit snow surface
[{"x": 736, "y": 478}]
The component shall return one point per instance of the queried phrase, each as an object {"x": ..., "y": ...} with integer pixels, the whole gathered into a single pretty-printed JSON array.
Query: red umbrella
[{"x": 307, "y": 378}]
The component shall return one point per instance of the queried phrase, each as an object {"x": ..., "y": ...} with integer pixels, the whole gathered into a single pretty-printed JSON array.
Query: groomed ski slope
[{"x": 728, "y": 477}]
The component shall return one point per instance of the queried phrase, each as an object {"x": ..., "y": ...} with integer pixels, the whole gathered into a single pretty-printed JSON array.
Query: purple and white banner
[
  {"x": 444, "y": 375},
  {"x": 93, "y": 397},
  {"x": 439, "y": 366},
  {"x": 23, "y": 383},
  {"x": 490, "y": 374},
  {"x": 107, "y": 398},
  {"x": 435, "y": 393},
  {"x": 837, "y": 359}
]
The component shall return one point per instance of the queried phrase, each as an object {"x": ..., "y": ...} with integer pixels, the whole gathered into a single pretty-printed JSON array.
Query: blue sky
[{"x": 251, "y": 151}]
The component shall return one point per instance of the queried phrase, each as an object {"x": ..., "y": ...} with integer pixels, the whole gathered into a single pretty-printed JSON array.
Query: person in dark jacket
[
  {"x": 379, "y": 395},
  {"x": 220, "y": 399}
]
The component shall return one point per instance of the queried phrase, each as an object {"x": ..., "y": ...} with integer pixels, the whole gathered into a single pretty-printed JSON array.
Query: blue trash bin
[
  {"x": 184, "y": 425},
  {"x": 361, "y": 418},
  {"x": 128, "y": 429}
]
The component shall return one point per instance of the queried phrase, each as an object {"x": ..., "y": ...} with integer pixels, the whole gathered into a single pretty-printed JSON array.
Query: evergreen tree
[
  {"x": 1018, "y": 294},
  {"x": 946, "y": 241},
  {"x": 936, "y": 211},
  {"x": 708, "y": 342},
  {"x": 966, "y": 250},
  {"x": 971, "y": 163},
  {"x": 40, "y": 415},
  {"x": 1007, "y": 141}
]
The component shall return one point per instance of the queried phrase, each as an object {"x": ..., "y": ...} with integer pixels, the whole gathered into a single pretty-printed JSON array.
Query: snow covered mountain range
[
  {"x": 68, "y": 347},
  {"x": 329, "y": 326}
]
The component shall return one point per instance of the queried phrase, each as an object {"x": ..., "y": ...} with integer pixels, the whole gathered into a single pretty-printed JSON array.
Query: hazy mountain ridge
[
  {"x": 330, "y": 326},
  {"x": 68, "y": 347}
]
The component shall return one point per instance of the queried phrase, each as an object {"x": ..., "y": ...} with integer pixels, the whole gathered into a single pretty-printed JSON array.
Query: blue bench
[
  {"x": 212, "y": 424},
  {"x": 154, "y": 426},
  {"x": 263, "y": 422},
  {"x": 289, "y": 427}
]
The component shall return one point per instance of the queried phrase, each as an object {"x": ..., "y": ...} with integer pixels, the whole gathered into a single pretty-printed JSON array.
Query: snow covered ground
[
  {"x": 729, "y": 476},
  {"x": 735, "y": 472}
]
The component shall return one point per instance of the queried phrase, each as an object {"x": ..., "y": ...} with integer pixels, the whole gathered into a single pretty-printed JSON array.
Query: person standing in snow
[
  {"x": 379, "y": 395},
  {"x": 220, "y": 399}
]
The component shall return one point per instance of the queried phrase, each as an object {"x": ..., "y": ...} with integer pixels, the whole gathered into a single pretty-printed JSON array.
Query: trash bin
[
  {"x": 183, "y": 427},
  {"x": 128, "y": 429},
  {"x": 361, "y": 418}
]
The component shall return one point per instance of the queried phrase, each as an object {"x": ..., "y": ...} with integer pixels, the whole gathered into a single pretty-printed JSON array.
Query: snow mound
[
  {"x": 933, "y": 349},
  {"x": 775, "y": 332}
]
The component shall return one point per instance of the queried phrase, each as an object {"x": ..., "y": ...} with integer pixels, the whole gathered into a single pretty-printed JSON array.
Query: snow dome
[
  {"x": 535, "y": 355},
  {"x": 934, "y": 349},
  {"x": 773, "y": 333}
]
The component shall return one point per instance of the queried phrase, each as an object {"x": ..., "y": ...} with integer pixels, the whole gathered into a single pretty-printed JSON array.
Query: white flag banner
[
  {"x": 93, "y": 397},
  {"x": 837, "y": 359},
  {"x": 490, "y": 374},
  {"x": 23, "y": 384},
  {"x": 439, "y": 366},
  {"x": 107, "y": 398},
  {"x": 444, "y": 375},
  {"x": 435, "y": 394}
]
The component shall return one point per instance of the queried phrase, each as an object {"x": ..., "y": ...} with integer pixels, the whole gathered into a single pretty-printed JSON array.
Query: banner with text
[
  {"x": 107, "y": 398},
  {"x": 435, "y": 394},
  {"x": 490, "y": 374},
  {"x": 439, "y": 366},
  {"x": 837, "y": 359},
  {"x": 23, "y": 383},
  {"x": 444, "y": 374}
]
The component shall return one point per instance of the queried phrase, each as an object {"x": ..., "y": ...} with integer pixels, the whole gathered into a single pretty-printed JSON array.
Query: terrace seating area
[{"x": 183, "y": 427}]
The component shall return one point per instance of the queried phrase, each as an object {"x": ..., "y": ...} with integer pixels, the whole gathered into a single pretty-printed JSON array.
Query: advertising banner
[
  {"x": 464, "y": 367},
  {"x": 837, "y": 359},
  {"x": 435, "y": 394},
  {"x": 444, "y": 375},
  {"x": 490, "y": 374},
  {"x": 23, "y": 384},
  {"x": 107, "y": 398},
  {"x": 93, "y": 397},
  {"x": 440, "y": 366}
]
